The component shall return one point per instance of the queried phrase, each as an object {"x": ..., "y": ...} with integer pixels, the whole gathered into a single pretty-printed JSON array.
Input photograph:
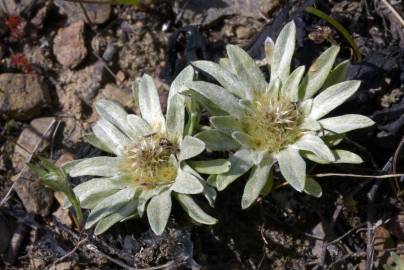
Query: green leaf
[
  {"x": 256, "y": 182},
  {"x": 338, "y": 74},
  {"x": 191, "y": 147},
  {"x": 149, "y": 104},
  {"x": 111, "y": 136},
  {"x": 241, "y": 162},
  {"x": 214, "y": 166},
  {"x": 175, "y": 118},
  {"x": 97, "y": 166},
  {"x": 192, "y": 108},
  {"x": 318, "y": 73},
  {"x": 226, "y": 123},
  {"x": 341, "y": 156},
  {"x": 345, "y": 123},
  {"x": 332, "y": 97},
  {"x": 107, "y": 222},
  {"x": 186, "y": 183},
  {"x": 227, "y": 79},
  {"x": 138, "y": 125},
  {"x": 110, "y": 205},
  {"x": 218, "y": 96},
  {"x": 216, "y": 140},
  {"x": 315, "y": 145},
  {"x": 116, "y": 115},
  {"x": 246, "y": 70},
  {"x": 194, "y": 211},
  {"x": 283, "y": 52},
  {"x": 158, "y": 211},
  {"x": 292, "y": 167},
  {"x": 291, "y": 87},
  {"x": 313, "y": 188}
]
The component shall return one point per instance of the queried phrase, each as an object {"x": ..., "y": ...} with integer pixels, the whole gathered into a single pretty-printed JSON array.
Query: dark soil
[{"x": 356, "y": 224}]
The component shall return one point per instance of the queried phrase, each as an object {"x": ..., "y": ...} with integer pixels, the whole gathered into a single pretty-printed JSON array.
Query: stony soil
[{"x": 56, "y": 60}]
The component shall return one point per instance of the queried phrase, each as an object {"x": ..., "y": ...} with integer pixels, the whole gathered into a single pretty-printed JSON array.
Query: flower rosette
[
  {"x": 279, "y": 122},
  {"x": 149, "y": 165}
]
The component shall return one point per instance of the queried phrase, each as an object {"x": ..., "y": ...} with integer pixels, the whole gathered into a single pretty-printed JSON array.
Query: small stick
[
  {"x": 392, "y": 10},
  {"x": 385, "y": 176}
]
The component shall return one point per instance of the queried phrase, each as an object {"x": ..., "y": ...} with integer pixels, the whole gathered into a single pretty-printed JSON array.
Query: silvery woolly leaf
[
  {"x": 283, "y": 52},
  {"x": 190, "y": 147},
  {"x": 144, "y": 197},
  {"x": 149, "y": 104},
  {"x": 214, "y": 166},
  {"x": 226, "y": 123},
  {"x": 291, "y": 87},
  {"x": 243, "y": 139},
  {"x": 178, "y": 85},
  {"x": 241, "y": 162},
  {"x": 341, "y": 156},
  {"x": 219, "y": 96},
  {"x": 158, "y": 211},
  {"x": 107, "y": 222},
  {"x": 269, "y": 46},
  {"x": 109, "y": 205},
  {"x": 110, "y": 135},
  {"x": 345, "y": 123},
  {"x": 310, "y": 124},
  {"x": 318, "y": 73},
  {"x": 332, "y": 97},
  {"x": 138, "y": 125},
  {"x": 96, "y": 166},
  {"x": 175, "y": 118},
  {"x": 256, "y": 182},
  {"x": 338, "y": 74},
  {"x": 246, "y": 70},
  {"x": 194, "y": 211},
  {"x": 274, "y": 88},
  {"x": 91, "y": 192},
  {"x": 313, "y": 188},
  {"x": 315, "y": 145},
  {"x": 292, "y": 167},
  {"x": 97, "y": 143},
  {"x": 186, "y": 183},
  {"x": 216, "y": 140},
  {"x": 115, "y": 114},
  {"x": 306, "y": 106},
  {"x": 227, "y": 79}
]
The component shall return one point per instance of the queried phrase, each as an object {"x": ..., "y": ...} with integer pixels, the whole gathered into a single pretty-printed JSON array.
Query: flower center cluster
[
  {"x": 273, "y": 123},
  {"x": 148, "y": 162}
]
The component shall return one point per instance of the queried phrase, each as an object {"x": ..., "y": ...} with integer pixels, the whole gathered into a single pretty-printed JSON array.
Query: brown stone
[
  {"x": 22, "y": 96},
  {"x": 69, "y": 46},
  {"x": 97, "y": 13}
]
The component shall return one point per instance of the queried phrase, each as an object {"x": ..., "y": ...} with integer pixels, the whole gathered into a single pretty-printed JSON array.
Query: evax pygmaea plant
[
  {"x": 150, "y": 163},
  {"x": 281, "y": 121}
]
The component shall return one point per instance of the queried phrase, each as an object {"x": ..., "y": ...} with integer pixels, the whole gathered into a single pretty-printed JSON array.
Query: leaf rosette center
[{"x": 273, "y": 123}]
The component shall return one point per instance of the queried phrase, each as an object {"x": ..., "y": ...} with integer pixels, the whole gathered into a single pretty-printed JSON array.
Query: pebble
[
  {"x": 22, "y": 96},
  {"x": 69, "y": 46},
  {"x": 97, "y": 13}
]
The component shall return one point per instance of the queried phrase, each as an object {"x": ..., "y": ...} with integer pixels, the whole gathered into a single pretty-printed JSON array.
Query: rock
[
  {"x": 35, "y": 197},
  {"x": 22, "y": 96},
  {"x": 208, "y": 11},
  {"x": 122, "y": 96},
  {"x": 97, "y": 13},
  {"x": 243, "y": 32},
  {"x": 68, "y": 45},
  {"x": 36, "y": 137}
]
